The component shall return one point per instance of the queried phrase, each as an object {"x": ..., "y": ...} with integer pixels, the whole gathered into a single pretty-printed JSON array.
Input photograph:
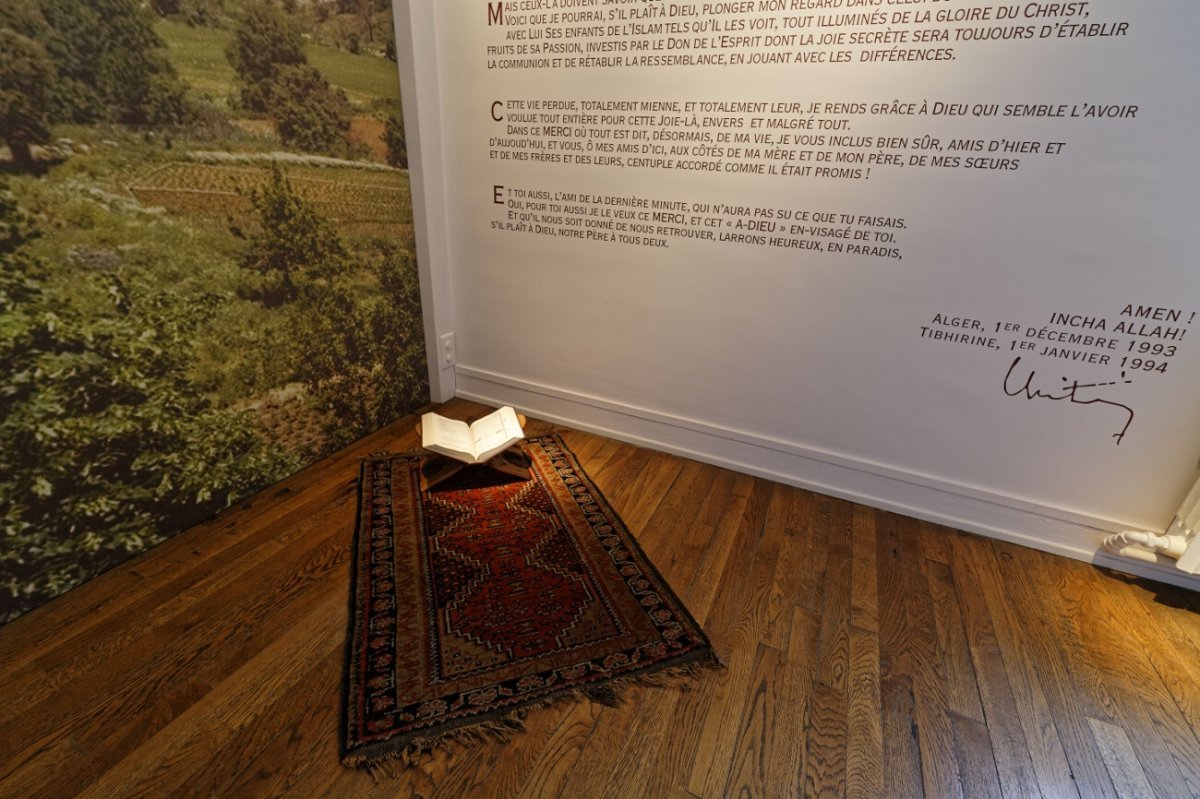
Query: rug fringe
[{"x": 394, "y": 764}]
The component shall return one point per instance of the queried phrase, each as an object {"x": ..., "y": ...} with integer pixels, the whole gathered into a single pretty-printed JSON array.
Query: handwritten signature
[{"x": 1069, "y": 392}]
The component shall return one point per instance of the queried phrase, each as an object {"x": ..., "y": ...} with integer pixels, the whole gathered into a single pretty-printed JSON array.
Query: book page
[
  {"x": 495, "y": 432},
  {"x": 444, "y": 435}
]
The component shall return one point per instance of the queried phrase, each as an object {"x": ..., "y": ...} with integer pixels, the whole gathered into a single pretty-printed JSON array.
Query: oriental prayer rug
[{"x": 488, "y": 596}]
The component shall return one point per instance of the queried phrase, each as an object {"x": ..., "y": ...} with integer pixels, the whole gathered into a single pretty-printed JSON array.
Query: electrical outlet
[{"x": 447, "y": 349}]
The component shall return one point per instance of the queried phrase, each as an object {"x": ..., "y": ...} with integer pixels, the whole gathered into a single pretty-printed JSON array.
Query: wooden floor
[{"x": 869, "y": 655}]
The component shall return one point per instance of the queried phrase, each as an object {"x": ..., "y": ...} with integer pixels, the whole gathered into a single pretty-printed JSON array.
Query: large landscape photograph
[{"x": 207, "y": 269}]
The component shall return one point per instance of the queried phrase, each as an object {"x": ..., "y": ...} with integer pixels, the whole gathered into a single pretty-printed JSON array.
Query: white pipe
[
  {"x": 1136, "y": 553},
  {"x": 1135, "y": 543},
  {"x": 1180, "y": 541}
]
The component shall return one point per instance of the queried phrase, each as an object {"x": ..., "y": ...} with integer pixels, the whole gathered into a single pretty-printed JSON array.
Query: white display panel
[{"x": 949, "y": 243}]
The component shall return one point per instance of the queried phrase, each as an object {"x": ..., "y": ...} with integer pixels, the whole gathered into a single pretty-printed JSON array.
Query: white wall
[{"x": 810, "y": 367}]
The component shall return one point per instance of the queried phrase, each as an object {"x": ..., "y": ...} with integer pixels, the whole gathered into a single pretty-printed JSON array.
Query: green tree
[
  {"x": 363, "y": 355},
  {"x": 111, "y": 64},
  {"x": 264, "y": 42},
  {"x": 24, "y": 17},
  {"x": 267, "y": 53},
  {"x": 310, "y": 113},
  {"x": 192, "y": 12},
  {"x": 397, "y": 144},
  {"x": 25, "y": 77},
  {"x": 105, "y": 446},
  {"x": 295, "y": 246},
  {"x": 167, "y": 8}
]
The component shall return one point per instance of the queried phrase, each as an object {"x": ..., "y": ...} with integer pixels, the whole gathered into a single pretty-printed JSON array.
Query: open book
[{"x": 474, "y": 443}]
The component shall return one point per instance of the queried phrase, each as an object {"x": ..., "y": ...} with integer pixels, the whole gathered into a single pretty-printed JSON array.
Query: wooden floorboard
[{"x": 866, "y": 655}]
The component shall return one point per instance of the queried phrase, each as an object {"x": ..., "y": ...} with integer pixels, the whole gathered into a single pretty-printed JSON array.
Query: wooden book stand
[{"x": 437, "y": 468}]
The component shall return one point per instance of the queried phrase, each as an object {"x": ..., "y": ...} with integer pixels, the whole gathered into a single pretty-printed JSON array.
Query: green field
[
  {"x": 198, "y": 53},
  {"x": 342, "y": 194},
  {"x": 365, "y": 78}
]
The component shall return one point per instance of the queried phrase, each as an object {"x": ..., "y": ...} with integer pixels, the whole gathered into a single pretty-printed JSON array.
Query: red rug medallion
[{"x": 474, "y": 602}]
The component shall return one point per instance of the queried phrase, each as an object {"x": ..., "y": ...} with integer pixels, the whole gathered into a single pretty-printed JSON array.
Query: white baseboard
[{"x": 963, "y": 507}]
